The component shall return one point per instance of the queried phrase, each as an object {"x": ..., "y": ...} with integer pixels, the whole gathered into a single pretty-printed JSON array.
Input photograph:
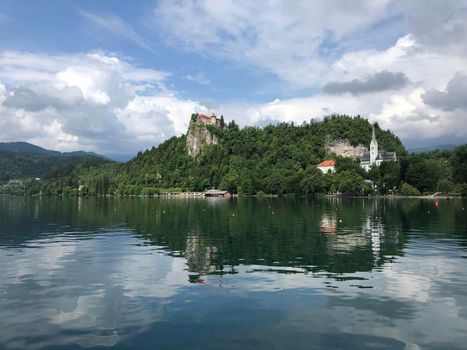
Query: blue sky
[
  {"x": 118, "y": 76},
  {"x": 69, "y": 27}
]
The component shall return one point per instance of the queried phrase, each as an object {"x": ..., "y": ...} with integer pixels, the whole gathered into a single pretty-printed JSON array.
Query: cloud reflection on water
[{"x": 366, "y": 283}]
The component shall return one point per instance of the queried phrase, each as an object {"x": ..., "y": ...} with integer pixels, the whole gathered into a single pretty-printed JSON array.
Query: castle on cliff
[
  {"x": 199, "y": 134},
  {"x": 375, "y": 156},
  {"x": 199, "y": 118}
]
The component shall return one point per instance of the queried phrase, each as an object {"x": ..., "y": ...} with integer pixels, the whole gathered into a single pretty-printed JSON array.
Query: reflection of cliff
[
  {"x": 317, "y": 235},
  {"x": 199, "y": 257}
]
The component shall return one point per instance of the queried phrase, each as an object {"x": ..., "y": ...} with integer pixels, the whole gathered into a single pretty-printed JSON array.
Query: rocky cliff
[
  {"x": 343, "y": 148},
  {"x": 197, "y": 136}
]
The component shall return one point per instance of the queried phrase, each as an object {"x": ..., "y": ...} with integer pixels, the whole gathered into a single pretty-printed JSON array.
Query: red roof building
[
  {"x": 203, "y": 118},
  {"x": 327, "y": 165}
]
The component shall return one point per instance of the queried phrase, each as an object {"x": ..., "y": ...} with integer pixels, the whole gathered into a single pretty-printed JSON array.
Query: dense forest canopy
[
  {"x": 276, "y": 159},
  {"x": 20, "y": 165}
]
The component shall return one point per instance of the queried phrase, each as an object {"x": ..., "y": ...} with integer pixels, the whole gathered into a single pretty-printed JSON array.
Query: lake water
[{"x": 149, "y": 273}]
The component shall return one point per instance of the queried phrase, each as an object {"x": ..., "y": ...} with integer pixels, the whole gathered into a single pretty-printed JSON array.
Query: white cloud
[
  {"x": 417, "y": 62},
  {"x": 285, "y": 38},
  {"x": 455, "y": 96},
  {"x": 439, "y": 25},
  {"x": 176, "y": 112},
  {"x": 88, "y": 101},
  {"x": 401, "y": 111}
]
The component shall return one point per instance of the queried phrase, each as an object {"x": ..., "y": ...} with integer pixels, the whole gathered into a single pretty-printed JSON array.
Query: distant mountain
[
  {"x": 423, "y": 149},
  {"x": 28, "y": 148},
  {"x": 21, "y": 160}
]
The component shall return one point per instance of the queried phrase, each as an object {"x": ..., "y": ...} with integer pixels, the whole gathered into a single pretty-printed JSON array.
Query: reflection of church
[
  {"x": 370, "y": 234},
  {"x": 373, "y": 228}
]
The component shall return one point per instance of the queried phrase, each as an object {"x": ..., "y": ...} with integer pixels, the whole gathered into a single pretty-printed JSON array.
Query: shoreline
[
  {"x": 186, "y": 195},
  {"x": 395, "y": 196}
]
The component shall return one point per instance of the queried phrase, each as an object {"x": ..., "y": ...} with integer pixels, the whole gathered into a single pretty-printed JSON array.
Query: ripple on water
[{"x": 118, "y": 273}]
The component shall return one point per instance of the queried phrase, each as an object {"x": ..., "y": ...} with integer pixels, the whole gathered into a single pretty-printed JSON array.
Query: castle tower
[
  {"x": 213, "y": 118},
  {"x": 373, "y": 148}
]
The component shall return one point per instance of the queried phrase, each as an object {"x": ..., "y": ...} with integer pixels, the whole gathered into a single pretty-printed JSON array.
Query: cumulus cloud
[
  {"x": 402, "y": 111},
  {"x": 380, "y": 81},
  {"x": 285, "y": 38},
  {"x": 38, "y": 96},
  {"x": 92, "y": 101},
  {"x": 298, "y": 41},
  {"x": 440, "y": 25},
  {"x": 455, "y": 96}
]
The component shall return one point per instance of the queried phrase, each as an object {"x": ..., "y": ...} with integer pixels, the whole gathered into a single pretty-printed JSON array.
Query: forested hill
[
  {"x": 271, "y": 159},
  {"x": 276, "y": 159},
  {"x": 22, "y": 160}
]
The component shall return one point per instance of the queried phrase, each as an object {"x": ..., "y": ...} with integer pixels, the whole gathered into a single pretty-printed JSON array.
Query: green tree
[
  {"x": 312, "y": 181},
  {"x": 351, "y": 183},
  {"x": 390, "y": 175},
  {"x": 408, "y": 190},
  {"x": 445, "y": 186},
  {"x": 458, "y": 163}
]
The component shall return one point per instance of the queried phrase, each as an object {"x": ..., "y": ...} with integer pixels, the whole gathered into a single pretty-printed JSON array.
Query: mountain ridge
[
  {"x": 22, "y": 147},
  {"x": 22, "y": 160}
]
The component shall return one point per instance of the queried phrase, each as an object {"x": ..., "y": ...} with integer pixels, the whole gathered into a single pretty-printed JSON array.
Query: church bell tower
[{"x": 373, "y": 148}]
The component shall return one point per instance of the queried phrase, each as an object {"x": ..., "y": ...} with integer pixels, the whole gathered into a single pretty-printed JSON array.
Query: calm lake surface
[{"x": 149, "y": 273}]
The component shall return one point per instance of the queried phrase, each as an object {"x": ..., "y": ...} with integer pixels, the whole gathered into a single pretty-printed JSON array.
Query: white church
[{"x": 374, "y": 156}]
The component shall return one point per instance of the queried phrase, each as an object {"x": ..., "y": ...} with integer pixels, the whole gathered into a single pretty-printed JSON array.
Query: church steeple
[{"x": 373, "y": 147}]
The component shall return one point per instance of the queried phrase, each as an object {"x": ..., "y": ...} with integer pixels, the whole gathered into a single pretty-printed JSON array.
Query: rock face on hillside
[
  {"x": 197, "y": 136},
  {"x": 343, "y": 148}
]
